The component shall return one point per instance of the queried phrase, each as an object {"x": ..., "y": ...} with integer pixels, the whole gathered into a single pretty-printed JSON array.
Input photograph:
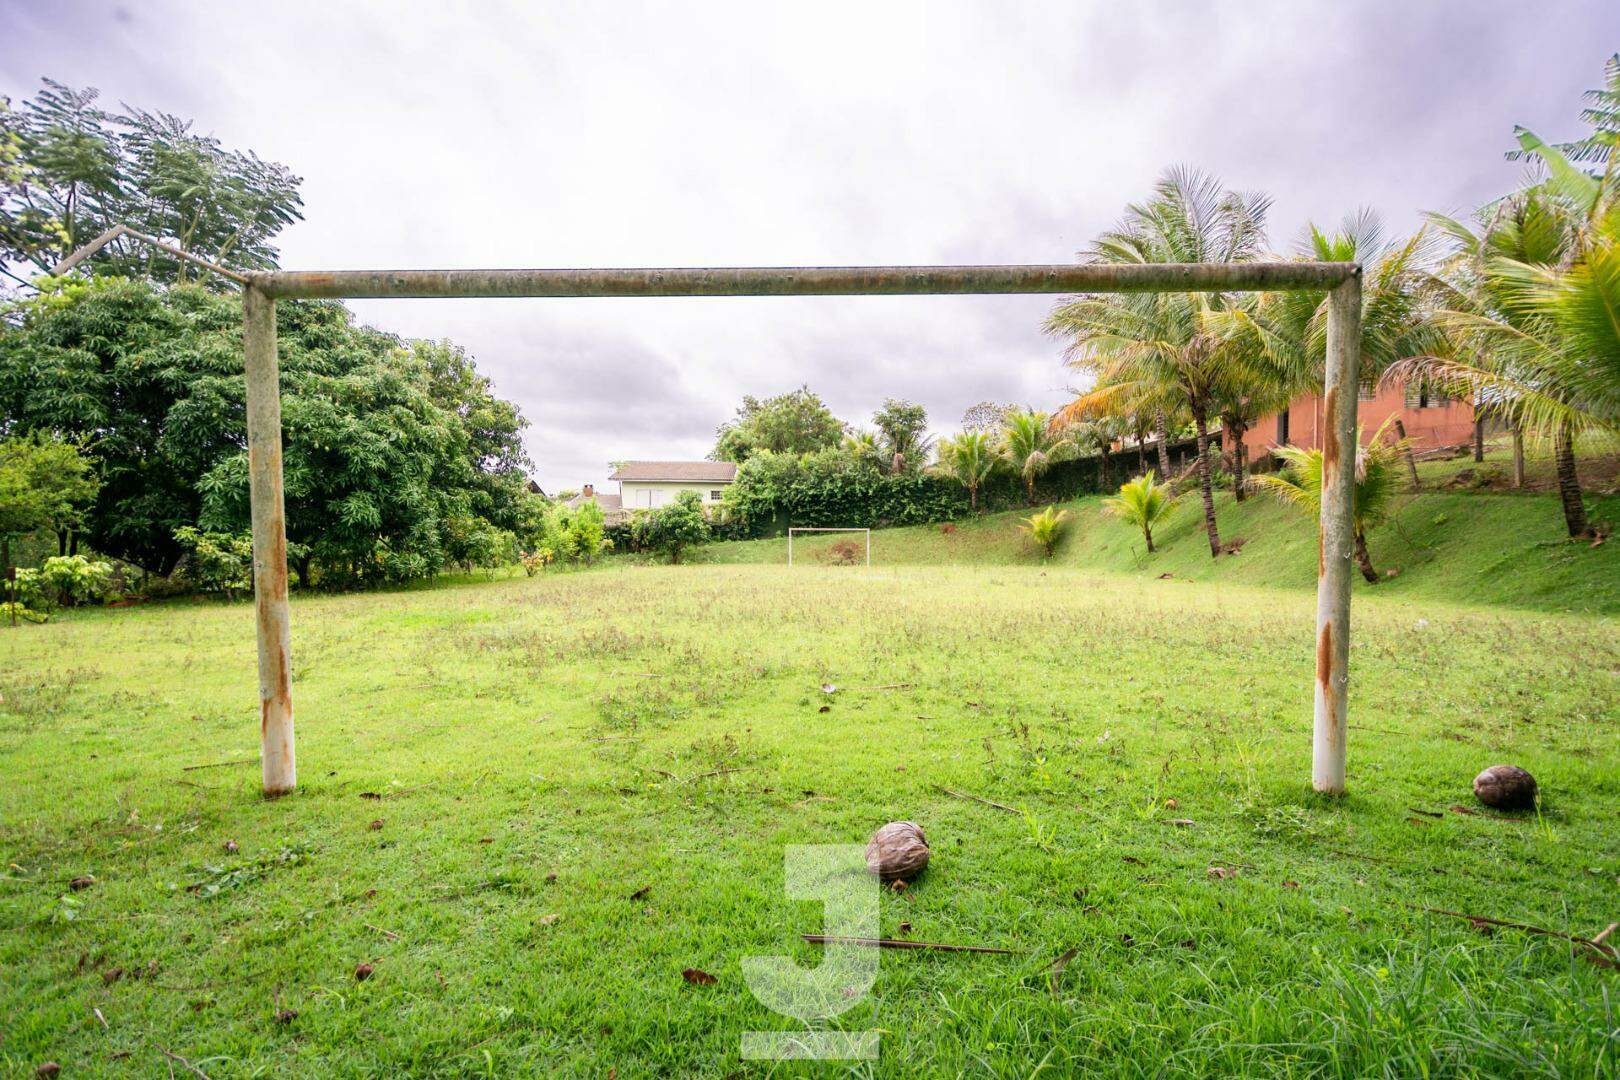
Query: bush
[
  {"x": 833, "y": 488},
  {"x": 219, "y": 562},
  {"x": 673, "y": 528},
  {"x": 71, "y": 580}
]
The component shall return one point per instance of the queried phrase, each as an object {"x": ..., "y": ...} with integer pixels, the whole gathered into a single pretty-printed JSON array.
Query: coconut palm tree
[
  {"x": 1378, "y": 479},
  {"x": 1142, "y": 502},
  {"x": 1032, "y": 444},
  {"x": 1531, "y": 313},
  {"x": 970, "y": 459},
  {"x": 1045, "y": 527},
  {"x": 1162, "y": 343}
]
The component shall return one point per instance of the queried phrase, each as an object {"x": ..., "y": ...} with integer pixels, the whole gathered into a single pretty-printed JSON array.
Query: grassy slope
[
  {"x": 1468, "y": 547},
  {"x": 526, "y": 728}
]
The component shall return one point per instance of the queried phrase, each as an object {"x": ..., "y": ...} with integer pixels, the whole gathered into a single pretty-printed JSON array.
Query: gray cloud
[{"x": 736, "y": 134}]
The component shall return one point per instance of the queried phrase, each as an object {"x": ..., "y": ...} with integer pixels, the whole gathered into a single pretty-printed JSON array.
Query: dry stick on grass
[
  {"x": 975, "y": 798},
  {"x": 172, "y": 1056},
  {"x": 1599, "y": 939},
  {"x": 1059, "y": 964},
  {"x": 1607, "y": 951},
  {"x": 891, "y": 943},
  {"x": 219, "y": 765},
  {"x": 389, "y": 934}
]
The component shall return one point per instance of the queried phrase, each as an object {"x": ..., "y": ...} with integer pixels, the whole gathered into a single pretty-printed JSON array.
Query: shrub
[
  {"x": 219, "y": 562},
  {"x": 71, "y": 580},
  {"x": 674, "y": 528},
  {"x": 845, "y": 553}
]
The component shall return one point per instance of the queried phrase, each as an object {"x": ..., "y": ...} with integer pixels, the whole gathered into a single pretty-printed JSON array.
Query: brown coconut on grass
[
  {"x": 898, "y": 851},
  {"x": 1506, "y": 787}
]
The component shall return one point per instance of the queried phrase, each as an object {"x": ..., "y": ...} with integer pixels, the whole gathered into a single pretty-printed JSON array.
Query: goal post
[{"x": 809, "y": 529}]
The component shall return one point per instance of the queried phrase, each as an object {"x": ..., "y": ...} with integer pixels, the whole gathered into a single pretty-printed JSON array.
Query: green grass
[
  {"x": 562, "y": 726},
  {"x": 1445, "y": 545}
]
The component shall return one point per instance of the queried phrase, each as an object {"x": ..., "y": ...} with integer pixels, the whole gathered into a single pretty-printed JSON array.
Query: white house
[{"x": 647, "y": 485}]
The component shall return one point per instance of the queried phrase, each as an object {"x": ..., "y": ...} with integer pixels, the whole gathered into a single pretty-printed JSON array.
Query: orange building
[{"x": 1430, "y": 419}]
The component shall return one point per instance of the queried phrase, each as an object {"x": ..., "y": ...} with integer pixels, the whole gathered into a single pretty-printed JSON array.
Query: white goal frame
[{"x": 807, "y": 528}]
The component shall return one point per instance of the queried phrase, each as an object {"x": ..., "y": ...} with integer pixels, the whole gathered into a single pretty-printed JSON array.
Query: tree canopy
[
  {"x": 390, "y": 448},
  {"x": 70, "y": 169},
  {"x": 797, "y": 422}
]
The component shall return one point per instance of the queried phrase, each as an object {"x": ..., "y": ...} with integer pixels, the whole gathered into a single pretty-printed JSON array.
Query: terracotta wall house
[{"x": 1430, "y": 420}]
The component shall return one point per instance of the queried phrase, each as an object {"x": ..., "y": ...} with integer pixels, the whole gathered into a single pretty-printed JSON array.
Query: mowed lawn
[{"x": 588, "y": 782}]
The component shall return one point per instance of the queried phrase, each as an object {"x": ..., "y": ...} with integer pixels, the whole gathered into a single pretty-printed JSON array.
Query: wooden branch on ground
[
  {"x": 220, "y": 764},
  {"x": 892, "y": 943},
  {"x": 1597, "y": 943}
]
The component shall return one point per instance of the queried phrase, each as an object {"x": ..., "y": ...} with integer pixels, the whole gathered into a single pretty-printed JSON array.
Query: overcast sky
[{"x": 591, "y": 134}]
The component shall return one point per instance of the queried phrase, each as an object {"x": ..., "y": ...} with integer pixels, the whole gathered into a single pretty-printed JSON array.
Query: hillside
[{"x": 1464, "y": 546}]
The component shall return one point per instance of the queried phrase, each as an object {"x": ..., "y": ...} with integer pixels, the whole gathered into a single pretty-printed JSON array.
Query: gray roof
[{"x": 708, "y": 472}]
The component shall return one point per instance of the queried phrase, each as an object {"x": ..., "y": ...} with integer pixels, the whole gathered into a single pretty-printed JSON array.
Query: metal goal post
[{"x": 810, "y": 529}]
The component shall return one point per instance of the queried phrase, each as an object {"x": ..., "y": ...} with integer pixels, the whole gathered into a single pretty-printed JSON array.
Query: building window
[
  {"x": 1368, "y": 392},
  {"x": 1282, "y": 428},
  {"x": 716, "y": 495},
  {"x": 1420, "y": 395}
]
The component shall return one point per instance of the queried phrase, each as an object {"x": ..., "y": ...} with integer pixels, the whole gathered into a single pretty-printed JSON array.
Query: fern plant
[{"x": 1143, "y": 502}]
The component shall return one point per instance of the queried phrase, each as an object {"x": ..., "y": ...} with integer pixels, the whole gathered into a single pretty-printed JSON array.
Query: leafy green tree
[
  {"x": 1142, "y": 502},
  {"x": 902, "y": 428},
  {"x": 798, "y": 422},
  {"x": 1045, "y": 528},
  {"x": 45, "y": 482},
  {"x": 1378, "y": 479},
  {"x": 675, "y": 528},
  {"x": 1162, "y": 344},
  {"x": 384, "y": 440},
  {"x": 970, "y": 459},
  {"x": 71, "y": 580},
  {"x": 1032, "y": 444},
  {"x": 70, "y": 169}
]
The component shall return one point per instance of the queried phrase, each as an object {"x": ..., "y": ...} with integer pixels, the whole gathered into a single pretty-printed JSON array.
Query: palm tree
[
  {"x": 1045, "y": 527},
  {"x": 1162, "y": 344},
  {"x": 1531, "y": 311},
  {"x": 1284, "y": 335},
  {"x": 1031, "y": 445},
  {"x": 970, "y": 459},
  {"x": 1142, "y": 502},
  {"x": 1378, "y": 477}
]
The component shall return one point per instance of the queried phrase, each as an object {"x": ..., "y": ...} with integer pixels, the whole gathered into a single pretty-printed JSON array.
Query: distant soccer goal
[{"x": 807, "y": 529}]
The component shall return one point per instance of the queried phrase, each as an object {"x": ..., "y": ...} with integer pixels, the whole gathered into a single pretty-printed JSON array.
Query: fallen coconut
[
  {"x": 1506, "y": 787},
  {"x": 897, "y": 851}
]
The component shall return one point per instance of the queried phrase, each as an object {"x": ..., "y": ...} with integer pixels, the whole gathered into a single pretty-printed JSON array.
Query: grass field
[{"x": 547, "y": 749}]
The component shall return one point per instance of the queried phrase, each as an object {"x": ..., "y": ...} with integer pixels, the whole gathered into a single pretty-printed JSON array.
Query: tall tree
[
  {"x": 45, "y": 483},
  {"x": 1163, "y": 343},
  {"x": 70, "y": 169},
  {"x": 902, "y": 427},
  {"x": 970, "y": 459},
  {"x": 1032, "y": 445},
  {"x": 797, "y": 422}
]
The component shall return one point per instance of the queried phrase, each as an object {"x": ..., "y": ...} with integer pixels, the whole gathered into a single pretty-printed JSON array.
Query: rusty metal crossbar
[{"x": 1341, "y": 281}]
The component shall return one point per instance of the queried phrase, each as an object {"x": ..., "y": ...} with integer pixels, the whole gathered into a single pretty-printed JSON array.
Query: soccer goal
[{"x": 808, "y": 529}]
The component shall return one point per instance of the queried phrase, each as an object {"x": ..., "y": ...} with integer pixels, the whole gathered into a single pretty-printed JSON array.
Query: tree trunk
[
  {"x": 1029, "y": 488},
  {"x": 1141, "y": 454},
  {"x": 61, "y": 541},
  {"x": 1479, "y": 437},
  {"x": 1411, "y": 462},
  {"x": 1147, "y": 534},
  {"x": 1206, "y": 484},
  {"x": 1518, "y": 456},
  {"x": 973, "y": 498},
  {"x": 1569, "y": 485},
  {"x": 1240, "y": 461},
  {"x": 1364, "y": 560},
  {"x": 1164, "y": 448}
]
